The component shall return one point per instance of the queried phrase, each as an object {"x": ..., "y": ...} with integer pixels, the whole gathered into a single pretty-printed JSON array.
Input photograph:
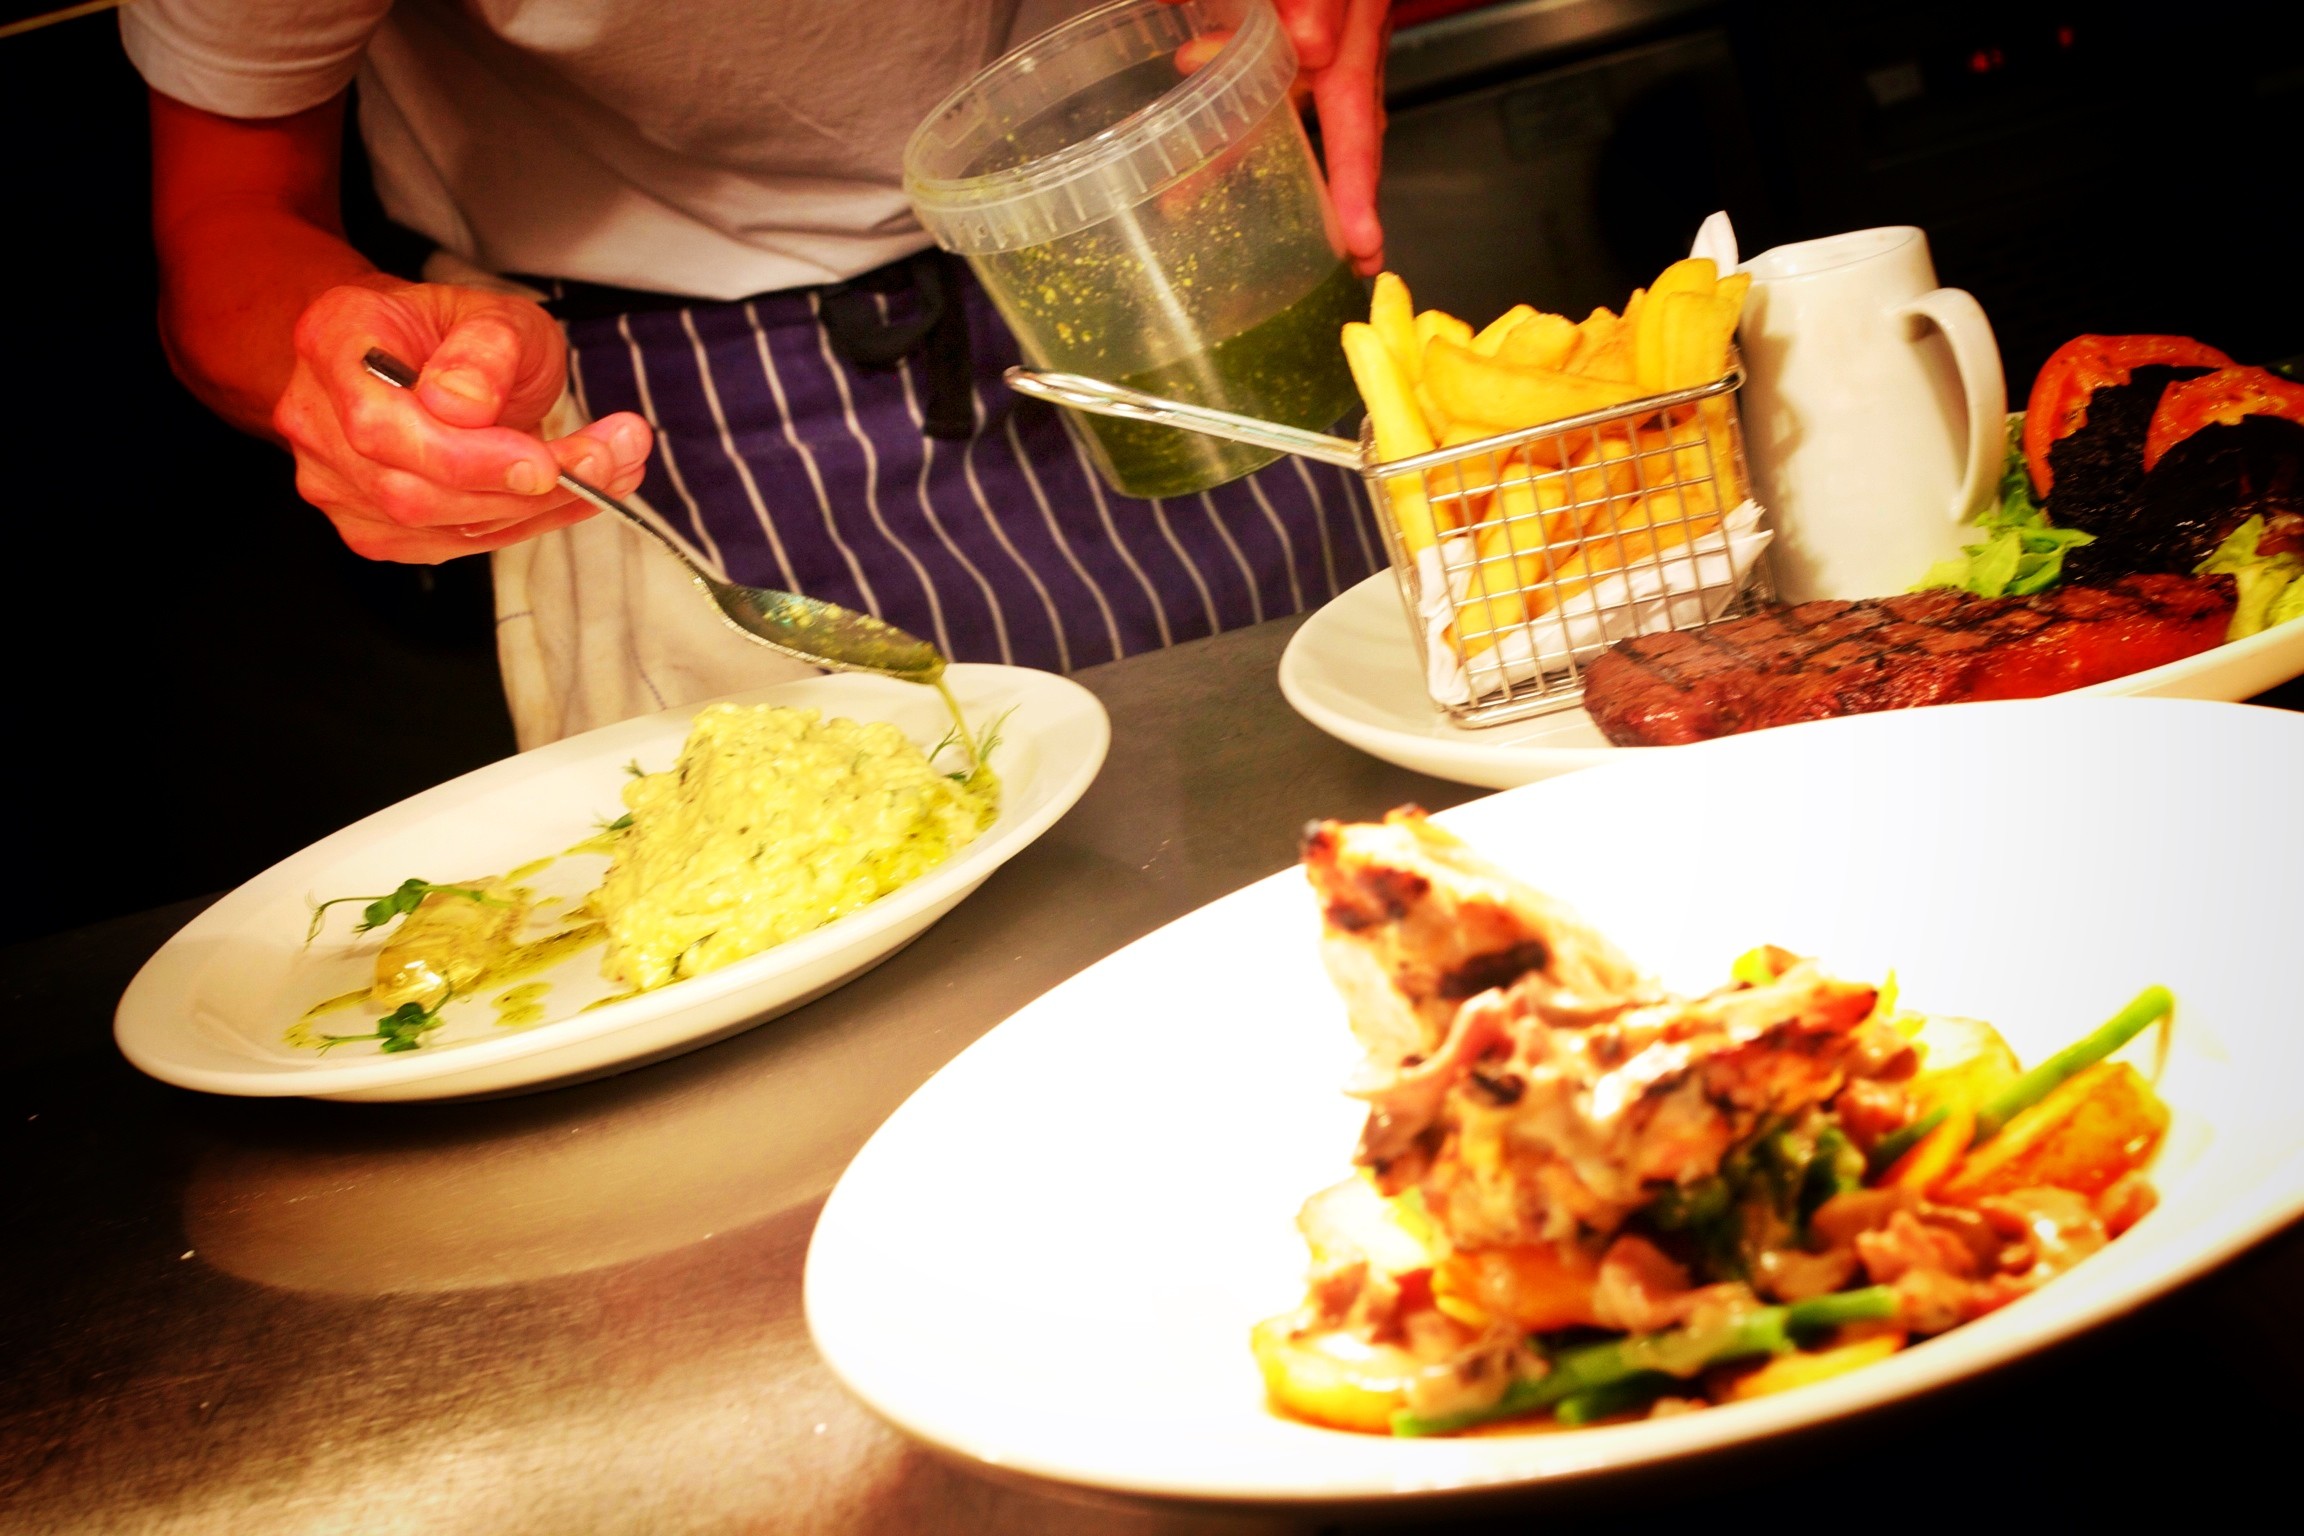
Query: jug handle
[{"x": 1976, "y": 355}]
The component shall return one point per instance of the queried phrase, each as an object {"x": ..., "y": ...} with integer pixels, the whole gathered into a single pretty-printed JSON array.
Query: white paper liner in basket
[{"x": 1680, "y": 589}]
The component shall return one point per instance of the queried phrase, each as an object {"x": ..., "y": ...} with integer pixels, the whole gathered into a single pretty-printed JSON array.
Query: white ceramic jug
[{"x": 1874, "y": 411}]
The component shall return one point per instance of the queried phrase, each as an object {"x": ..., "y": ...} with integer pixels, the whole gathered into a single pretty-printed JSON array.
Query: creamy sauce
[{"x": 773, "y": 823}]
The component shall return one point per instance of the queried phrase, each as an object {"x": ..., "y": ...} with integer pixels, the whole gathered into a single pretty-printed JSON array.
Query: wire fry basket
[{"x": 1520, "y": 557}]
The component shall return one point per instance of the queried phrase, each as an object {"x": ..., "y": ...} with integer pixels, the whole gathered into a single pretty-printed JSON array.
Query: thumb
[{"x": 491, "y": 368}]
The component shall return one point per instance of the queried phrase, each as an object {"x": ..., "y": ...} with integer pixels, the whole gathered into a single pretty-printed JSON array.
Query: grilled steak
[{"x": 1816, "y": 660}]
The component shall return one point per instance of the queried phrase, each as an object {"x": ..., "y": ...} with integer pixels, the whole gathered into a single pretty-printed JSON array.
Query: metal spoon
[{"x": 808, "y": 628}]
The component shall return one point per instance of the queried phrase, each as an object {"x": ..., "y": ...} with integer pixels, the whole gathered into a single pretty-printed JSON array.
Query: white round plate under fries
[
  {"x": 1048, "y": 1261},
  {"x": 214, "y": 1008},
  {"x": 1353, "y": 671}
]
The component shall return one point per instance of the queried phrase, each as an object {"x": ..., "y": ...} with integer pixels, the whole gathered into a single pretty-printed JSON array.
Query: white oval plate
[
  {"x": 213, "y": 1008},
  {"x": 1352, "y": 670},
  {"x": 1049, "y": 1259}
]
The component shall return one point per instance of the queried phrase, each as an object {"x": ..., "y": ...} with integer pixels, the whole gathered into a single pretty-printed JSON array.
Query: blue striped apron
[{"x": 784, "y": 463}]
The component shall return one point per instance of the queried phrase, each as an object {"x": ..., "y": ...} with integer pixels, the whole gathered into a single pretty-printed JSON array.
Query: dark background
[{"x": 206, "y": 680}]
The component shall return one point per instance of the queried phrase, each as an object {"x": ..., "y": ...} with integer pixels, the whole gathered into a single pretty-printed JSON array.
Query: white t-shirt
[{"x": 716, "y": 148}]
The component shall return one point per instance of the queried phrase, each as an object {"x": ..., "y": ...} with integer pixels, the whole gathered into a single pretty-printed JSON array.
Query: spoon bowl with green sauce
[{"x": 805, "y": 628}]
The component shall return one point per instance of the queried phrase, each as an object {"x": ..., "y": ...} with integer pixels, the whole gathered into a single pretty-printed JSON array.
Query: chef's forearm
[{"x": 247, "y": 227}]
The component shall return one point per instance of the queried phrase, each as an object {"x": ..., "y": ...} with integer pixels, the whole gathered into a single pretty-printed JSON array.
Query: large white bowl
[
  {"x": 213, "y": 1008},
  {"x": 1049, "y": 1259}
]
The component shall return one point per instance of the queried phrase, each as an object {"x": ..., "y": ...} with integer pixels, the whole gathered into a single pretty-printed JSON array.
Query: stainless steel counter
[{"x": 579, "y": 1310}]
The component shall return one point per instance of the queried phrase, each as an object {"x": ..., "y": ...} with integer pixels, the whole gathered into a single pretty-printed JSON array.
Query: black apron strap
[{"x": 937, "y": 332}]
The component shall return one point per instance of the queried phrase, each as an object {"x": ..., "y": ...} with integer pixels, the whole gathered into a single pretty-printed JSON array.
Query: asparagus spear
[
  {"x": 2035, "y": 1085},
  {"x": 1895, "y": 1144},
  {"x": 1618, "y": 1396},
  {"x": 2151, "y": 1004},
  {"x": 1597, "y": 1376}
]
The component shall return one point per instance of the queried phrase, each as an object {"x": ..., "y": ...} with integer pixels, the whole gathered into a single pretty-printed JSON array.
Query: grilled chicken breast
[{"x": 1523, "y": 1075}]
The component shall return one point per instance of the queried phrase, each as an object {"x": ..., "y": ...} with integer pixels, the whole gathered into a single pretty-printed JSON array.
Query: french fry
[
  {"x": 1476, "y": 481},
  {"x": 1399, "y": 429},
  {"x": 1663, "y": 311},
  {"x": 1464, "y": 492},
  {"x": 1510, "y": 563},
  {"x": 1693, "y": 274},
  {"x": 1611, "y": 361},
  {"x": 1507, "y": 396},
  {"x": 1393, "y": 314},
  {"x": 1439, "y": 325},
  {"x": 1613, "y": 478},
  {"x": 1720, "y": 437},
  {"x": 1435, "y": 419},
  {"x": 1492, "y": 336},
  {"x": 1650, "y": 336},
  {"x": 1640, "y": 532},
  {"x": 1703, "y": 458},
  {"x": 1541, "y": 341},
  {"x": 1535, "y": 522},
  {"x": 1697, "y": 330},
  {"x": 1677, "y": 321},
  {"x": 1593, "y": 332},
  {"x": 1558, "y": 496},
  {"x": 1552, "y": 518}
]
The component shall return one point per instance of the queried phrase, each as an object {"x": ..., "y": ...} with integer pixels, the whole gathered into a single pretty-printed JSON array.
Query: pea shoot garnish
[{"x": 403, "y": 1029}]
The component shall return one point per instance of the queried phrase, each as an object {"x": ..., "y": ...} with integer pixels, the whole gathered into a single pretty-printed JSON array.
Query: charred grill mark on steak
[
  {"x": 1496, "y": 1089},
  {"x": 1838, "y": 657}
]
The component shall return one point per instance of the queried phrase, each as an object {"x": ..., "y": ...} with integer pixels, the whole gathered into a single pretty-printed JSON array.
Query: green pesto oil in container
[
  {"x": 1166, "y": 232},
  {"x": 1287, "y": 369}
]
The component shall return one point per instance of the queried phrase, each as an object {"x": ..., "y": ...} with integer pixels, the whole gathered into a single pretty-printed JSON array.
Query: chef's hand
[
  {"x": 1340, "y": 54},
  {"x": 452, "y": 466}
]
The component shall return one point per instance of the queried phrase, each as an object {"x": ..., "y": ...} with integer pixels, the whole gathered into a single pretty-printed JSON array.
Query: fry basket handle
[{"x": 1094, "y": 395}]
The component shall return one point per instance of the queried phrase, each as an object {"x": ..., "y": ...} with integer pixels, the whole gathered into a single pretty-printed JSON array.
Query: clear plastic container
[{"x": 1166, "y": 232}]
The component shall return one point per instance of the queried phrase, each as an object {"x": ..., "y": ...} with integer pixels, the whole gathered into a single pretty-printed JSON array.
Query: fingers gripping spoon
[{"x": 807, "y": 628}]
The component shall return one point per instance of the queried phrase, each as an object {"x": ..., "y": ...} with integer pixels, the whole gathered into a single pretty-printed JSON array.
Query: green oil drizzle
[
  {"x": 337, "y": 1004},
  {"x": 520, "y": 1006}
]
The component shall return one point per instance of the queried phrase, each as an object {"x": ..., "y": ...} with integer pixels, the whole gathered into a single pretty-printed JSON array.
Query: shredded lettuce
[
  {"x": 2270, "y": 589},
  {"x": 2018, "y": 553}
]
